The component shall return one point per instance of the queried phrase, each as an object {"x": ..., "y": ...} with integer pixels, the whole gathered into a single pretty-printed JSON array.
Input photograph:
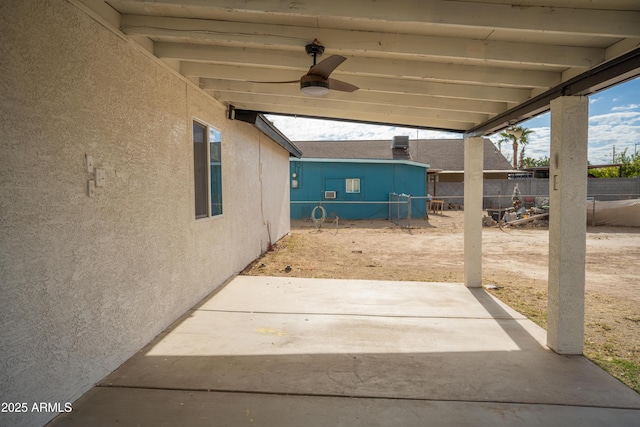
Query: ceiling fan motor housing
[{"x": 314, "y": 49}]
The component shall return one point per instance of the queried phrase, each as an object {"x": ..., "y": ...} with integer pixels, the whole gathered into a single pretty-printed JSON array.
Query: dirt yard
[{"x": 514, "y": 259}]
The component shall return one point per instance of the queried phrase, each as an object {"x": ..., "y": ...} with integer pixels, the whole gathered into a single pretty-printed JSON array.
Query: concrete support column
[
  {"x": 473, "y": 175},
  {"x": 567, "y": 223}
]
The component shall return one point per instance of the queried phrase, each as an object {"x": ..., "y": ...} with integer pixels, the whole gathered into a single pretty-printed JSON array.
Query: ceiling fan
[{"x": 317, "y": 82}]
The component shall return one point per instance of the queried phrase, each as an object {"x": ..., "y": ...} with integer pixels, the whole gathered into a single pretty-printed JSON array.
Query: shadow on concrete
[
  {"x": 358, "y": 389},
  {"x": 518, "y": 335}
]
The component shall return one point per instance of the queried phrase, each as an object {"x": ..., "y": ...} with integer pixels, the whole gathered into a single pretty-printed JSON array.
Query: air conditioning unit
[
  {"x": 401, "y": 141},
  {"x": 329, "y": 194}
]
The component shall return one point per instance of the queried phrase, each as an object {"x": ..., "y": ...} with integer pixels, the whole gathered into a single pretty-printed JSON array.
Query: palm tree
[{"x": 515, "y": 135}]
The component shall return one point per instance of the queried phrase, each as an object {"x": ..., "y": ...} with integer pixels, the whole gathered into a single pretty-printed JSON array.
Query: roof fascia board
[
  {"x": 265, "y": 126},
  {"x": 367, "y": 122},
  {"x": 361, "y": 161},
  {"x": 618, "y": 70},
  {"x": 507, "y": 171}
]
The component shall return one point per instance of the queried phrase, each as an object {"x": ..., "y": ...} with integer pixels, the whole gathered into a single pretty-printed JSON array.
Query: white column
[
  {"x": 473, "y": 175},
  {"x": 567, "y": 223}
]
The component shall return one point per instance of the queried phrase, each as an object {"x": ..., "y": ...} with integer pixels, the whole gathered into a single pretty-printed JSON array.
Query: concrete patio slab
[
  {"x": 368, "y": 297},
  {"x": 288, "y": 351},
  {"x": 140, "y": 407}
]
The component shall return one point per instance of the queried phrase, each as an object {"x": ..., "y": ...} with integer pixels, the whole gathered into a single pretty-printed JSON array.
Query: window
[
  {"x": 216, "y": 171},
  {"x": 207, "y": 171},
  {"x": 352, "y": 185}
]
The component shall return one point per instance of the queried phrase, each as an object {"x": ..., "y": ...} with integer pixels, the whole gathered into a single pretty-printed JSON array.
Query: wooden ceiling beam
[
  {"x": 596, "y": 22},
  {"x": 371, "y": 97},
  {"x": 341, "y": 104},
  {"x": 357, "y": 116},
  {"x": 372, "y": 44},
  {"x": 449, "y": 73}
]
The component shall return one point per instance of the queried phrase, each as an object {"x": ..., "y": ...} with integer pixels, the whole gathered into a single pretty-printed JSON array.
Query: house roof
[
  {"x": 443, "y": 154},
  {"x": 362, "y": 161}
]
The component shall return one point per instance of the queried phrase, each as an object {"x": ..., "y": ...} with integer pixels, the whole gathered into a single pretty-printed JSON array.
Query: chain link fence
[{"x": 400, "y": 209}]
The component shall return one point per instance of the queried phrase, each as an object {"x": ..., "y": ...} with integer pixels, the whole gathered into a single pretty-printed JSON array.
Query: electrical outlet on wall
[
  {"x": 91, "y": 188},
  {"x": 89, "y": 163},
  {"x": 100, "y": 178}
]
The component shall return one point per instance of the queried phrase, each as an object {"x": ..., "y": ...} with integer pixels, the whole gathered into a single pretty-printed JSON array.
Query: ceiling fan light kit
[
  {"x": 311, "y": 85},
  {"x": 314, "y": 88}
]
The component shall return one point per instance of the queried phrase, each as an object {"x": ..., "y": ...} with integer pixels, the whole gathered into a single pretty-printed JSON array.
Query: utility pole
[{"x": 614, "y": 154}]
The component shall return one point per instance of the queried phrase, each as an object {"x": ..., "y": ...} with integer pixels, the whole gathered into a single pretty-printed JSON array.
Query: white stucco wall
[{"x": 87, "y": 281}]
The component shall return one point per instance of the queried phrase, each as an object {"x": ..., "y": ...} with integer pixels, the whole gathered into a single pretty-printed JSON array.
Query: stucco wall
[{"x": 87, "y": 281}]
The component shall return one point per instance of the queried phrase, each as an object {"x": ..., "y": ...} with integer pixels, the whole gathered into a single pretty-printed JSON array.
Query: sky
[{"x": 614, "y": 120}]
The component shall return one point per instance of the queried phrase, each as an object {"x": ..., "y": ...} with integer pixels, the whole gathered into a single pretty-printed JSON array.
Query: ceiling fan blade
[
  {"x": 342, "y": 86},
  {"x": 326, "y": 66},
  {"x": 289, "y": 81}
]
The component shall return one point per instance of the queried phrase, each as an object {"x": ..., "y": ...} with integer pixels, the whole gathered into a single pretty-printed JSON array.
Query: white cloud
[
  {"x": 539, "y": 143},
  {"x": 305, "y": 129},
  {"x": 620, "y": 127},
  {"x": 621, "y": 130},
  {"x": 624, "y": 118},
  {"x": 626, "y": 107}
]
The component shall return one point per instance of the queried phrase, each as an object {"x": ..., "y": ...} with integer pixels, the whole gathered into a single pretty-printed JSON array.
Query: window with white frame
[
  {"x": 207, "y": 170},
  {"x": 352, "y": 185}
]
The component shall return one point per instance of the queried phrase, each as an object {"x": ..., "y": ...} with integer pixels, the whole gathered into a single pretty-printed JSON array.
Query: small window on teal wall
[{"x": 352, "y": 185}]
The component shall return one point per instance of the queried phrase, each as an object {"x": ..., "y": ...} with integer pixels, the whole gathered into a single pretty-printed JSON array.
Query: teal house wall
[{"x": 311, "y": 177}]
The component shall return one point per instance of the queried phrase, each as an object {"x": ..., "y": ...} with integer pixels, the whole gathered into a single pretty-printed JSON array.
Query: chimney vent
[{"x": 401, "y": 141}]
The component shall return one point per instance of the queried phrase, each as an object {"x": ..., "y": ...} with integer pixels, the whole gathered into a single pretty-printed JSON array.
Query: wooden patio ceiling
[{"x": 457, "y": 65}]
